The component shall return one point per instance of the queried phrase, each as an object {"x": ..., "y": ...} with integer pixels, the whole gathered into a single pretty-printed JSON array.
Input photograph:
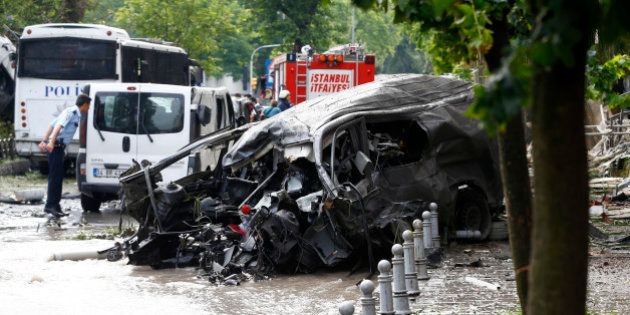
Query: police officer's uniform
[{"x": 69, "y": 120}]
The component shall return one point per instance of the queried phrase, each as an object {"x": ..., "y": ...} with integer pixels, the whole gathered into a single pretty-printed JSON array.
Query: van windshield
[{"x": 139, "y": 113}]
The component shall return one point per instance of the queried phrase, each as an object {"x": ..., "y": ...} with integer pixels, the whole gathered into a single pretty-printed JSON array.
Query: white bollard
[
  {"x": 386, "y": 303},
  {"x": 411, "y": 277},
  {"x": 401, "y": 299},
  {"x": 426, "y": 229},
  {"x": 421, "y": 261},
  {"x": 368, "y": 302},
  {"x": 346, "y": 308},
  {"x": 435, "y": 228}
]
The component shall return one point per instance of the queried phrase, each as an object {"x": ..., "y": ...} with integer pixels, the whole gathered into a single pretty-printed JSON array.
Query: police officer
[{"x": 59, "y": 134}]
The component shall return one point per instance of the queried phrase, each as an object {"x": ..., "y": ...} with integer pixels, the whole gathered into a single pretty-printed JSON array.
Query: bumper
[
  {"x": 94, "y": 190},
  {"x": 99, "y": 189}
]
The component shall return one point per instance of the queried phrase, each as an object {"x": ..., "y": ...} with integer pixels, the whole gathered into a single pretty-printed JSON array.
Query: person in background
[
  {"x": 257, "y": 109},
  {"x": 270, "y": 111},
  {"x": 284, "y": 102},
  {"x": 59, "y": 134}
]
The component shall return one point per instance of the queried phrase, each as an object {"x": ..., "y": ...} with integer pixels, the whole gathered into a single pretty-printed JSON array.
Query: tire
[
  {"x": 472, "y": 212},
  {"x": 90, "y": 204}
]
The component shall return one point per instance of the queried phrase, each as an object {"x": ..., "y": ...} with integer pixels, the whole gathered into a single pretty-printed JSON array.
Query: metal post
[
  {"x": 435, "y": 229},
  {"x": 421, "y": 261},
  {"x": 385, "y": 288},
  {"x": 411, "y": 277},
  {"x": 426, "y": 228},
  {"x": 401, "y": 298},
  {"x": 353, "y": 27},
  {"x": 368, "y": 302},
  {"x": 346, "y": 308},
  {"x": 251, "y": 64}
]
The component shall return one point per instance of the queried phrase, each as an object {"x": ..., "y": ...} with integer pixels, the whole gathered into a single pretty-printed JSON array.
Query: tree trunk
[
  {"x": 559, "y": 259},
  {"x": 516, "y": 187},
  {"x": 514, "y": 171},
  {"x": 72, "y": 11}
]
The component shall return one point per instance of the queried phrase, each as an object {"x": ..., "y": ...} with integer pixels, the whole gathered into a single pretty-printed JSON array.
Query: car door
[
  {"x": 222, "y": 117},
  {"x": 164, "y": 127},
  {"x": 111, "y": 134}
]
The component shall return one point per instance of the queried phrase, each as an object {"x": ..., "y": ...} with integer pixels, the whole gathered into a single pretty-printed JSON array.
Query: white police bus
[{"x": 56, "y": 60}]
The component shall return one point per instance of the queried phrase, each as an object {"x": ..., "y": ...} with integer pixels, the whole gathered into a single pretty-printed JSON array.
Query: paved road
[{"x": 31, "y": 284}]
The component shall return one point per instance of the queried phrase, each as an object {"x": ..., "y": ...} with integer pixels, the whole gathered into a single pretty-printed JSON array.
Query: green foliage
[
  {"x": 196, "y": 25},
  {"x": 300, "y": 22},
  {"x": 6, "y": 129},
  {"x": 19, "y": 14},
  {"x": 377, "y": 32},
  {"x": 503, "y": 95},
  {"x": 457, "y": 35},
  {"x": 102, "y": 12},
  {"x": 405, "y": 59},
  {"x": 603, "y": 79},
  {"x": 453, "y": 32},
  {"x": 72, "y": 11}
]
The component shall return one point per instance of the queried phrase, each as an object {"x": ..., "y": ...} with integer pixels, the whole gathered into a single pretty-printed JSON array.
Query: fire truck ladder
[{"x": 301, "y": 74}]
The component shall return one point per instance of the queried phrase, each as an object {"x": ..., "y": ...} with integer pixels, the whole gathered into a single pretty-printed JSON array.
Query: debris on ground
[{"x": 32, "y": 195}]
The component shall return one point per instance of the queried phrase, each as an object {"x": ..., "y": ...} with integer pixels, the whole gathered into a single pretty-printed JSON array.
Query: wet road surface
[{"x": 29, "y": 283}]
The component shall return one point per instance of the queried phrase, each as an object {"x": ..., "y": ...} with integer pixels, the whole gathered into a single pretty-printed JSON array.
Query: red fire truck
[{"x": 308, "y": 75}]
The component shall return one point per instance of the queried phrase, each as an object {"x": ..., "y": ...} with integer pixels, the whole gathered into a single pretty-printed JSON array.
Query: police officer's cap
[{"x": 83, "y": 99}]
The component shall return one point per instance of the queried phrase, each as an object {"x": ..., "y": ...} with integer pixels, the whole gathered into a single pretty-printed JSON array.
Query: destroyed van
[
  {"x": 331, "y": 182},
  {"x": 144, "y": 121}
]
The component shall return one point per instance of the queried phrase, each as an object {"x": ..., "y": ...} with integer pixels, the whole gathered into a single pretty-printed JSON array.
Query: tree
[
  {"x": 205, "y": 22},
  {"x": 405, "y": 59},
  {"x": 549, "y": 69},
  {"x": 559, "y": 261},
  {"x": 606, "y": 80},
  {"x": 464, "y": 33},
  {"x": 72, "y": 11},
  {"x": 295, "y": 23},
  {"x": 102, "y": 12},
  {"x": 19, "y": 14}
]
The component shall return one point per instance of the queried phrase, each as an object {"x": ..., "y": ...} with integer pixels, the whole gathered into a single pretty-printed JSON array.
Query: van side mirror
[{"x": 203, "y": 114}]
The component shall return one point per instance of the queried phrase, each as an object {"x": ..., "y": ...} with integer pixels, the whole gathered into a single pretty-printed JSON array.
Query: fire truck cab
[{"x": 308, "y": 75}]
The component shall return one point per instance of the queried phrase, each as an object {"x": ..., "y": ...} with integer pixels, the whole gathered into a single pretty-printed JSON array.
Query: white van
[{"x": 145, "y": 121}]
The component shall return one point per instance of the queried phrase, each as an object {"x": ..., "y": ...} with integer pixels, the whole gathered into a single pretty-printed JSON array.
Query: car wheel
[
  {"x": 90, "y": 204},
  {"x": 472, "y": 212}
]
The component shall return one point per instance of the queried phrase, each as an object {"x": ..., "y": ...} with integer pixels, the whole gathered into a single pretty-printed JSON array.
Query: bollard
[
  {"x": 385, "y": 288},
  {"x": 421, "y": 261},
  {"x": 368, "y": 303},
  {"x": 435, "y": 228},
  {"x": 401, "y": 299},
  {"x": 411, "y": 277},
  {"x": 346, "y": 308},
  {"x": 426, "y": 229}
]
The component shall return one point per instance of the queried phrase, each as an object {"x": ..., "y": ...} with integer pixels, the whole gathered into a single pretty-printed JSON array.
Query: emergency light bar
[{"x": 330, "y": 58}]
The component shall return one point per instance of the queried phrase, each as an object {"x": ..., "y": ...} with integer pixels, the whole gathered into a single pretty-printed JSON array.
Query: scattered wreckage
[{"x": 331, "y": 182}]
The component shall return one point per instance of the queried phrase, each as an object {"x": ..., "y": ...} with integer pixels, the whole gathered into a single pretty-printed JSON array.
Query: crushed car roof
[{"x": 403, "y": 93}]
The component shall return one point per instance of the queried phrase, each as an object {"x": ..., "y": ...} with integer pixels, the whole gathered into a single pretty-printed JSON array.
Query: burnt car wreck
[{"x": 331, "y": 182}]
